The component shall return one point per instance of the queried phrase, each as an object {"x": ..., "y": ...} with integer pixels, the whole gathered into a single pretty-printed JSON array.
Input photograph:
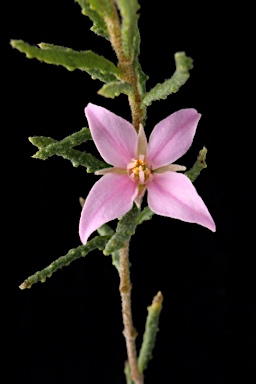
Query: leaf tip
[
  {"x": 157, "y": 301},
  {"x": 24, "y": 285}
]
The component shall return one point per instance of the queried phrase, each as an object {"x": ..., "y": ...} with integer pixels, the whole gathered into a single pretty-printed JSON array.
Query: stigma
[{"x": 138, "y": 170}]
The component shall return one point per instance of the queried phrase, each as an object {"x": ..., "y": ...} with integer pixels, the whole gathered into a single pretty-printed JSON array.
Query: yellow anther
[{"x": 139, "y": 171}]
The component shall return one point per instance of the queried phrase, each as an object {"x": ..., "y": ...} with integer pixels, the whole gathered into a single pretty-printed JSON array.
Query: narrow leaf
[
  {"x": 172, "y": 85},
  {"x": 200, "y": 164},
  {"x": 63, "y": 261},
  {"x": 127, "y": 373},
  {"x": 116, "y": 260},
  {"x": 99, "y": 25},
  {"x": 68, "y": 58},
  {"x": 125, "y": 229},
  {"x": 114, "y": 89},
  {"x": 128, "y": 10},
  {"x": 96, "y": 74},
  {"x": 106, "y": 230},
  {"x": 149, "y": 337},
  {"x": 144, "y": 215},
  {"x": 49, "y": 147},
  {"x": 103, "y": 7},
  {"x": 141, "y": 76}
]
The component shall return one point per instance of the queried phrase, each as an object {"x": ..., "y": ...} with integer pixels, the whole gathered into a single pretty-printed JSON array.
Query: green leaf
[
  {"x": 73, "y": 140},
  {"x": 141, "y": 76},
  {"x": 98, "y": 75},
  {"x": 49, "y": 147},
  {"x": 128, "y": 10},
  {"x": 68, "y": 58},
  {"x": 103, "y": 7},
  {"x": 106, "y": 230},
  {"x": 172, "y": 85},
  {"x": 116, "y": 260},
  {"x": 151, "y": 329},
  {"x": 127, "y": 373},
  {"x": 63, "y": 261},
  {"x": 200, "y": 164},
  {"x": 99, "y": 25},
  {"x": 125, "y": 229},
  {"x": 114, "y": 89},
  {"x": 146, "y": 214}
]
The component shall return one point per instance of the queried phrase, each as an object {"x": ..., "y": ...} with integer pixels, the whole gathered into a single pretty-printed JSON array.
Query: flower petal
[
  {"x": 110, "y": 197},
  {"x": 172, "y": 194},
  {"x": 114, "y": 137},
  {"x": 172, "y": 137}
]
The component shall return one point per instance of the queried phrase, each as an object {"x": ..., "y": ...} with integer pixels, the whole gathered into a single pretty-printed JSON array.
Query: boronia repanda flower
[{"x": 139, "y": 166}]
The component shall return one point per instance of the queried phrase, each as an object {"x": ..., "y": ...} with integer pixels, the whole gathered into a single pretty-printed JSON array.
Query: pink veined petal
[
  {"x": 114, "y": 137},
  {"x": 110, "y": 197},
  {"x": 172, "y": 137},
  {"x": 172, "y": 194}
]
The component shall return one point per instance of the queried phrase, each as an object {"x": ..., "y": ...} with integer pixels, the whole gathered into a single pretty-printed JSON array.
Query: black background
[{"x": 69, "y": 329}]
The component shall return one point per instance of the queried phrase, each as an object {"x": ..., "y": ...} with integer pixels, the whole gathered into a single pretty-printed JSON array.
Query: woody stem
[
  {"x": 125, "y": 64},
  {"x": 128, "y": 74},
  {"x": 129, "y": 330}
]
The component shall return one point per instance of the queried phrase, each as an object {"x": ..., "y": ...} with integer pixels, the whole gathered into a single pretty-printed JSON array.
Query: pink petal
[
  {"x": 110, "y": 197},
  {"x": 114, "y": 137},
  {"x": 172, "y": 194},
  {"x": 172, "y": 137}
]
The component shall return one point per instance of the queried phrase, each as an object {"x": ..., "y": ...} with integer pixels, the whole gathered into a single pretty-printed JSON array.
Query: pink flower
[{"x": 139, "y": 166}]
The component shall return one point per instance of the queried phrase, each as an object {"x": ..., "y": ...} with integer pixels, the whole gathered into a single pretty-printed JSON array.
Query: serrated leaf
[
  {"x": 63, "y": 261},
  {"x": 104, "y": 77},
  {"x": 68, "y": 58},
  {"x": 141, "y": 76},
  {"x": 146, "y": 214},
  {"x": 151, "y": 329},
  {"x": 199, "y": 165},
  {"x": 172, "y": 85},
  {"x": 105, "y": 230},
  {"x": 127, "y": 373},
  {"x": 50, "y": 147},
  {"x": 125, "y": 229},
  {"x": 116, "y": 260},
  {"x": 115, "y": 88},
  {"x": 99, "y": 25},
  {"x": 128, "y": 10},
  {"x": 103, "y": 7}
]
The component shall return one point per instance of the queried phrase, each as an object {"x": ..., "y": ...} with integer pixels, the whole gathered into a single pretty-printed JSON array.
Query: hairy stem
[
  {"x": 128, "y": 75},
  {"x": 129, "y": 330},
  {"x": 126, "y": 66}
]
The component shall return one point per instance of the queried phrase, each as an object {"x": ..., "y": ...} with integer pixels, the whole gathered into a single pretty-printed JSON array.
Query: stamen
[
  {"x": 142, "y": 176},
  {"x": 130, "y": 165},
  {"x": 138, "y": 170}
]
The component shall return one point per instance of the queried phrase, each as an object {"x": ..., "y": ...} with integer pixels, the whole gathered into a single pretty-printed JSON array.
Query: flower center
[{"x": 138, "y": 170}]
